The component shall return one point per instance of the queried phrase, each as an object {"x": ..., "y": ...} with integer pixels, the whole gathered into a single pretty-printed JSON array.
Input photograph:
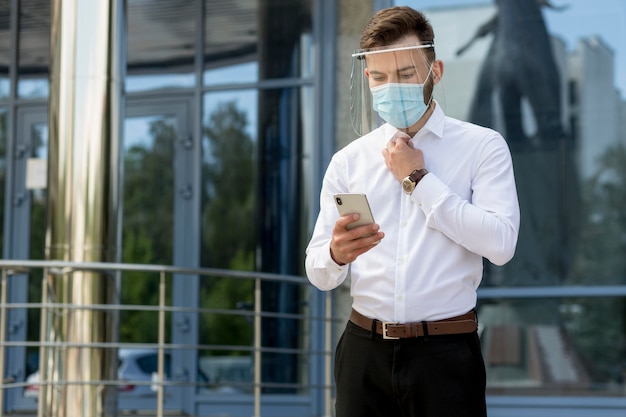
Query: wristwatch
[{"x": 409, "y": 183}]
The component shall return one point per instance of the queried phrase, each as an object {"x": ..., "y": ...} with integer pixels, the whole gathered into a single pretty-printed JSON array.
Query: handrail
[
  {"x": 55, "y": 267},
  {"x": 104, "y": 266}
]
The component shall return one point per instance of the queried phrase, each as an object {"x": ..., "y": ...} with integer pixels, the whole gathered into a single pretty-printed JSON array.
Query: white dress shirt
[{"x": 429, "y": 264}]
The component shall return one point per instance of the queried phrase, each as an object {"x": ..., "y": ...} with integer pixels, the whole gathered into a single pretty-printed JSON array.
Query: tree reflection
[
  {"x": 147, "y": 232},
  {"x": 228, "y": 224},
  {"x": 599, "y": 328}
]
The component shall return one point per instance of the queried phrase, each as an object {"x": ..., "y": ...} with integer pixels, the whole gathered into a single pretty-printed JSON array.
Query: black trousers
[{"x": 432, "y": 376}]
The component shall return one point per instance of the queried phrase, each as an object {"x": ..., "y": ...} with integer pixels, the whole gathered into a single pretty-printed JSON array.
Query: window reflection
[
  {"x": 39, "y": 150},
  {"x": 563, "y": 121},
  {"x": 148, "y": 189},
  {"x": 161, "y": 40},
  {"x": 33, "y": 88},
  {"x": 228, "y": 236},
  {"x": 238, "y": 73},
  {"x": 554, "y": 346},
  {"x": 230, "y": 42},
  {"x": 148, "y": 217},
  {"x": 34, "y": 48},
  {"x": 265, "y": 39},
  {"x": 5, "y": 47},
  {"x": 138, "y": 83},
  {"x": 4, "y": 87},
  {"x": 228, "y": 180},
  {"x": 252, "y": 180}
]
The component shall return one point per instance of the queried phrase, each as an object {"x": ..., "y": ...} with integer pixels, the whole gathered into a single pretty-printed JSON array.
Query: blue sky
[{"x": 582, "y": 19}]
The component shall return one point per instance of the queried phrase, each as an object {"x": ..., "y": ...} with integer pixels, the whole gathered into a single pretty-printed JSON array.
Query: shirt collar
[{"x": 435, "y": 122}]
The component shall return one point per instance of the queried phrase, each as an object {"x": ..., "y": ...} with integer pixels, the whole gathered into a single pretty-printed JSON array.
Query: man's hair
[{"x": 389, "y": 25}]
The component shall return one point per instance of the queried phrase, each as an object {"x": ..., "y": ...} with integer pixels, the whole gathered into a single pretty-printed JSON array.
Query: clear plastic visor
[{"x": 398, "y": 64}]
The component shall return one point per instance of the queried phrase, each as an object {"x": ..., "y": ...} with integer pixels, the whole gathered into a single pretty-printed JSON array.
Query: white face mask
[{"x": 401, "y": 105}]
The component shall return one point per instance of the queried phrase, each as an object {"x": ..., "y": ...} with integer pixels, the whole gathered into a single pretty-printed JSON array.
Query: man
[{"x": 443, "y": 195}]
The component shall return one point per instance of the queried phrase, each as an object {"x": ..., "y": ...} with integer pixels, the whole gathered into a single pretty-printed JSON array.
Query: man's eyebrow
[{"x": 407, "y": 68}]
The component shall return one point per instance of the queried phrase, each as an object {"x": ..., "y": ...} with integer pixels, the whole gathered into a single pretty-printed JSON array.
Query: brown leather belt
[{"x": 465, "y": 323}]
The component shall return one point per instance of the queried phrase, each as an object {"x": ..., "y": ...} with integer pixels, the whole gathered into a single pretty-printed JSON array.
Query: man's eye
[{"x": 407, "y": 76}]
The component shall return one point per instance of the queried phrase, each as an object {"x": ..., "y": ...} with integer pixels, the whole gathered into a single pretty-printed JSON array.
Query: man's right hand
[{"x": 347, "y": 245}]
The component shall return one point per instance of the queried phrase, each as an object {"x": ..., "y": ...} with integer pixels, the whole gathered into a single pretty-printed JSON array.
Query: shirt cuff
[{"x": 427, "y": 192}]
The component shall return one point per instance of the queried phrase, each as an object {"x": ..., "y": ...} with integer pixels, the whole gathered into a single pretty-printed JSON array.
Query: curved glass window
[{"x": 257, "y": 40}]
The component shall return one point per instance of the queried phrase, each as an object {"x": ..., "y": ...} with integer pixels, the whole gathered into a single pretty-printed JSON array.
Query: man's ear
[{"x": 437, "y": 71}]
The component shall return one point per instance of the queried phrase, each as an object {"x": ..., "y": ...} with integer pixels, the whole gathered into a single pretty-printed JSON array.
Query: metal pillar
[{"x": 86, "y": 105}]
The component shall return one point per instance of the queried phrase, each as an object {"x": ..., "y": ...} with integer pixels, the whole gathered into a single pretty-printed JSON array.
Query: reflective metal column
[{"x": 85, "y": 110}]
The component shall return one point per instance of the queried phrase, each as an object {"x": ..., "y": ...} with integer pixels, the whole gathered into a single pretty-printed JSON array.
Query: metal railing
[{"x": 52, "y": 268}]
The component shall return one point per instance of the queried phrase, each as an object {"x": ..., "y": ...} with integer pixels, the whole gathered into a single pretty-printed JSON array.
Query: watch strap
[{"x": 417, "y": 175}]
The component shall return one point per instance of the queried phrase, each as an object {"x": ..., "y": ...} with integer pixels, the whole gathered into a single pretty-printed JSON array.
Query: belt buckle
[{"x": 385, "y": 324}]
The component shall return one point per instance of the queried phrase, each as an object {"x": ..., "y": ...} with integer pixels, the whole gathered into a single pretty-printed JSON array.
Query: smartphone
[{"x": 354, "y": 203}]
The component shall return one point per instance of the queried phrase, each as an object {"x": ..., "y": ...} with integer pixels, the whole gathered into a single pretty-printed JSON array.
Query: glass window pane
[
  {"x": 148, "y": 219},
  {"x": 3, "y": 168},
  {"x": 5, "y": 46},
  {"x": 39, "y": 150},
  {"x": 34, "y": 48},
  {"x": 148, "y": 189},
  {"x": 257, "y": 40},
  {"x": 563, "y": 120},
  {"x": 554, "y": 347},
  {"x": 161, "y": 39},
  {"x": 4, "y": 87},
  {"x": 253, "y": 164},
  {"x": 228, "y": 145},
  {"x": 228, "y": 235}
]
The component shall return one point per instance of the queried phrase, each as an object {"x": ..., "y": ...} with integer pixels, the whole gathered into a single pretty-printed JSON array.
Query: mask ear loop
[{"x": 428, "y": 79}]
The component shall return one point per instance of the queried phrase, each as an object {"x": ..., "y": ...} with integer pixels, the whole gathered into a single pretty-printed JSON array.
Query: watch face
[{"x": 408, "y": 185}]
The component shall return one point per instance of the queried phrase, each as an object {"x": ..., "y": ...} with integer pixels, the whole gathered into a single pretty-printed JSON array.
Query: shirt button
[{"x": 398, "y": 298}]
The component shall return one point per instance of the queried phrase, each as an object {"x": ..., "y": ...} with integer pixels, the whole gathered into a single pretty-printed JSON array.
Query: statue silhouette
[{"x": 519, "y": 66}]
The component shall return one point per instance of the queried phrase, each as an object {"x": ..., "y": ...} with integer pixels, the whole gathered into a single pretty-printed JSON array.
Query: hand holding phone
[
  {"x": 350, "y": 203},
  {"x": 345, "y": 251}
]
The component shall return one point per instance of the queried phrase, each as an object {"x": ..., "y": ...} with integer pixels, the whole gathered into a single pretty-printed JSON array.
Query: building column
[{"x": 87, "y": 64}]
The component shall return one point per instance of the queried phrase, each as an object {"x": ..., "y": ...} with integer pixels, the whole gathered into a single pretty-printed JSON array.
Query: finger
[
  {"x": 401, "y": 136},
  {"x": 343, "y": 221}
]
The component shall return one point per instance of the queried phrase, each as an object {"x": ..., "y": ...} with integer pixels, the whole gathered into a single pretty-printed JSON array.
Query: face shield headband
[{"x": 386, "y": 86}]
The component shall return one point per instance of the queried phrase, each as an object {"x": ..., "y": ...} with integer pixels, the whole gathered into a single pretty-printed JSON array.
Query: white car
[{"x": 136, "y": 370}]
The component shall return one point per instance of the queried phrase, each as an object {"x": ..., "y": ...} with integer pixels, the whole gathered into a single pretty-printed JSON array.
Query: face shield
[{"x": 390, "y": 85}]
